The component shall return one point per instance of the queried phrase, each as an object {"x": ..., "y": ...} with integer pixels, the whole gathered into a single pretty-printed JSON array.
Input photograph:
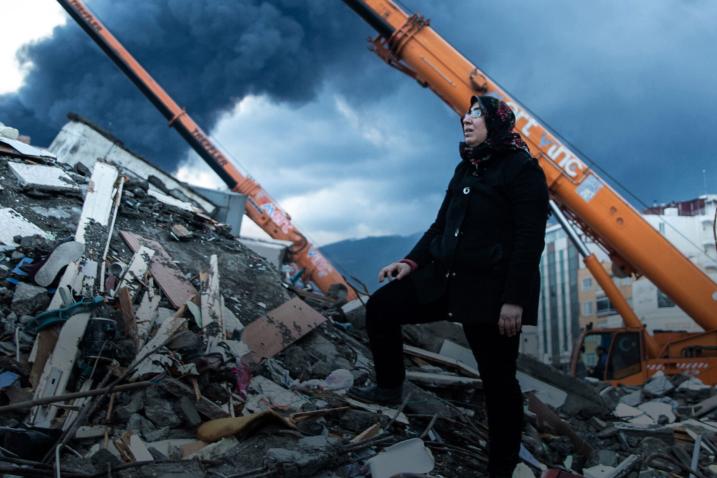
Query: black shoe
[{"x": 378, "y": 395}]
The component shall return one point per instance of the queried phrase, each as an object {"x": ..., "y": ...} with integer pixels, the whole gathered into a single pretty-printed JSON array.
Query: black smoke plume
[{"x": 207, "y": 54}]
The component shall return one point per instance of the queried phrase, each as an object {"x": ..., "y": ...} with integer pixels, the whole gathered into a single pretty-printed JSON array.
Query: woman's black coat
[{"x": 483, "y": 250}]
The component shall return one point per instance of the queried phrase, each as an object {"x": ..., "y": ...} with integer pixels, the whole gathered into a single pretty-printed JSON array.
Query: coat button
[
  {"x": 453, "y": 274},
  {"x": 448, "y": 274},
  {"x": 450, "y": 314},
  {"x": 466, "y": 190}
]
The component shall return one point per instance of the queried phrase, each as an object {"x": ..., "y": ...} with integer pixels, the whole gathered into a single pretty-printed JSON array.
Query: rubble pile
[{"x": 139, "y": 337}]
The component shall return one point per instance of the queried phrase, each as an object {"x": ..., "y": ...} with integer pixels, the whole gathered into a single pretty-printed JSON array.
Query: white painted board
[{"x": 99, "y": 199}]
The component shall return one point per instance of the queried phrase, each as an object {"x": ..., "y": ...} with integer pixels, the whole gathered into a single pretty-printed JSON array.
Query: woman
[{"x": 477, "y": 264}]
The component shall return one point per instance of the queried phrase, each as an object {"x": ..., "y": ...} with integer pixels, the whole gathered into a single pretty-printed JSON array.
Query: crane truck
[{"x": 580, "y": 199}]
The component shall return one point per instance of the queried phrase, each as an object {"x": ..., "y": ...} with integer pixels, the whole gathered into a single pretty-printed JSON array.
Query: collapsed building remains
[{"x": 140, "y": 337}]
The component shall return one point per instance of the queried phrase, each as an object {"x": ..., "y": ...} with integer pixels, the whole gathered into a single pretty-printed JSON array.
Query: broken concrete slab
[
  {"x": 660, "y": 412},
  {"x": 14, "y": 224},
  {"x": 547, "y": 393},
  {"x": 409, "y": 456},
  {"x": 29, "y": 299},
  {"x": 658, "y": 385},
  {"x": 582, "y": 399},
  {"x": 48, "y": 178},
  {"x": 26, "y": 150},
  {"x": 265, "y": 394},
  {"x": 632, "y": 399},
  {"x": 633, "y": 415}
]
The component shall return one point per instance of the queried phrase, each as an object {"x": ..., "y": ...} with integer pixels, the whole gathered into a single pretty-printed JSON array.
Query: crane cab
[
  {"x": 619, "y": 356},
  {"x": 610, "y": 355}
]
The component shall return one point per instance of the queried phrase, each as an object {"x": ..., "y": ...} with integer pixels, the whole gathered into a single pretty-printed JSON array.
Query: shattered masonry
[{"x": 139, "y": 336}]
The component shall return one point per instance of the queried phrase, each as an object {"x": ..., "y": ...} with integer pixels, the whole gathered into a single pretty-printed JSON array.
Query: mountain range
[{"x": 363, "y": 258}]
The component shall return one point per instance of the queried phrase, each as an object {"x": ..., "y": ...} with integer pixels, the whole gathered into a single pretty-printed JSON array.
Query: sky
[{"x": 348, "y": 146}]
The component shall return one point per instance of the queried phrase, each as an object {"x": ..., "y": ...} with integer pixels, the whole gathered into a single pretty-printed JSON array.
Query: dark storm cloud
[
  {"x": 630, "y": 84},
  {"x": 207, "y": 54}
]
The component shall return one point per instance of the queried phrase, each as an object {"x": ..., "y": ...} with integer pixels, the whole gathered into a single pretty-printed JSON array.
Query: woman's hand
[
  {"x": 396, "y": 270},
  {"x": 510, "y": 321}
]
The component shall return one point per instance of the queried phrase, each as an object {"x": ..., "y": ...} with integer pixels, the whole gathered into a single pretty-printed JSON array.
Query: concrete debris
[
  {"x": 142, "y": 338},
  {"x": 29, "y": 299},
  {"x": 50, "y": 178},
  {"x": 410, "y": 456},
  {"x": 657, "y": 386}
]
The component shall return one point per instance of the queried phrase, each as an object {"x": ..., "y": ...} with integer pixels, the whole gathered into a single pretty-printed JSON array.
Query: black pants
[{"x": 396, "y": 304}]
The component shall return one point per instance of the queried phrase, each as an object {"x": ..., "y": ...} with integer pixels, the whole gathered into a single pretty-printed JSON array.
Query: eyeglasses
[{"x": 476, "y": 111}]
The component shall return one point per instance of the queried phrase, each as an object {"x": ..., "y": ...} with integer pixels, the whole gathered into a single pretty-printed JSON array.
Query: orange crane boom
[
  {"x": 260, "y": 207},
  {"x": 408, "y": 43}
]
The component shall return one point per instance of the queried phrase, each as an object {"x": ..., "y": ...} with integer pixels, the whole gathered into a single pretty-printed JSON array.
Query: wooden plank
[
  {"x": 147, "y": 312},
  {"x": 50, "y": 178},
  {"x": 113, "y": 218},
  {"x": 132, "y": 448},
  {"x": 77, "y": 404},
  {"x": 269, "y": 335},
  {"x": 129, "y": 321},
  {"x": 181, "y": 233},
  {"x": 441, "y": 359},
  {"x": 98, "y": 201},
  {"x": 14, "y": 224},
  {"x": 170, "y": 200},
  {"x": 211, "y": 296},
  {"x": 153, "y": 362},
  {"x": 170, "y": 279},
  {"x": 441, "y": 379},
  {"x": 134, "y": 274},
  {"x": 372, "y": 407},
  {"x": 58, "y": 369}
]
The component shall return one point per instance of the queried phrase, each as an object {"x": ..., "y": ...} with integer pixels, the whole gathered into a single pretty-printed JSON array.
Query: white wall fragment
[
  {"x": 14, "y": 224},
  {"x": 43, "y": 177}
]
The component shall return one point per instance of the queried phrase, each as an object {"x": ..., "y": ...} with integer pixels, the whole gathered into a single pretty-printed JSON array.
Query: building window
[
  {"x": 587, "y": 308},
  {"x": 662, "y": 228},
  {"x": 604, "y": 306},
  {"x": 587, "y": 283},
  {"x": 663, "y": 302}
]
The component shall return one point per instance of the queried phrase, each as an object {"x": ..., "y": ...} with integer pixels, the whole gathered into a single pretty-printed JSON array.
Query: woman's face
[{"x": 474, "y": 128}]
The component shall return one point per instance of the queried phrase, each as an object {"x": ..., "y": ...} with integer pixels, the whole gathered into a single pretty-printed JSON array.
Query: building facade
[
  {"x": 559, "y": 309},
  {"x": 571, "y": 298}
]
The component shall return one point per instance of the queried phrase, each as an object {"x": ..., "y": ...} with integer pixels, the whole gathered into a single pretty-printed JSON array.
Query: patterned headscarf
[{"x": 500, "y": 121}]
